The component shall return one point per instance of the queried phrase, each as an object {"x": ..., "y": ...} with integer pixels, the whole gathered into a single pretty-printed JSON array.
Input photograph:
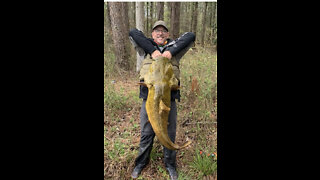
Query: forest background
[{"x": 197, "y": 111}]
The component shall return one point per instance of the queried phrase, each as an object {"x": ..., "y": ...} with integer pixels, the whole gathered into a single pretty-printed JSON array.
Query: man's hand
[
  {"x": 155, "y": 54},
  {"x": 167, "y": 54}
]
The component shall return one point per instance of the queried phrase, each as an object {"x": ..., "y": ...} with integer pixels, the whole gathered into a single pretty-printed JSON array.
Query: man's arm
[
  {"x": 181, "y": 43},
  {"x": 142, "y": 41}
]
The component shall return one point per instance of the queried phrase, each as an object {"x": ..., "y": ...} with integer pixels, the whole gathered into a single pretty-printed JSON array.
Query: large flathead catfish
[{"x": 160, "y": 80}]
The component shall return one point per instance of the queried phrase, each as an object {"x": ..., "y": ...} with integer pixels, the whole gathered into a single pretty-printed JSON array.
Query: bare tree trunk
[
  {"x": 214, "y": 27},
  {"x": 191, "y": 9},
  {"x": 204, "y": 23},
  {"x": 169, "y": 8},
  {"x": 211, "y": 22},
  {"x": 166, "y": 15},
  {"x": 108, "y": 14},
  {"x": 175, "y": 19},
  {"x": 140, "y": 16},
  {"x": 107, "y": 27},
  {"x": 186, "y": 21},
  {"x": 134, "y": 12},
  {"x": 151, "y": 13},
  {"x": 160, "y": 8},
  {"x": 191, "y": 14},
  {"x": 140, "y": 26},
  {"x": 182, "y": 17},
  {"x": 147, "y": 26},
  {"x": 125, "y": 18},
  {"x": 195, "y": 18},
  {"x": 119, "y": 34},
  {"x": 131, "y": 7},
  {"x": 210, "y": 10}
]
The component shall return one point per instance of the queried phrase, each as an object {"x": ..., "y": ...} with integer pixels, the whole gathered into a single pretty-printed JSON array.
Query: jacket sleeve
[
  {"x": 181, "y": 43},
  {"x": 142, "y": 41}
]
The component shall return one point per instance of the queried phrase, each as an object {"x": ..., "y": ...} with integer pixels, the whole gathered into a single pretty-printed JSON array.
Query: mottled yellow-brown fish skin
[{"x": 160, "y": 80}]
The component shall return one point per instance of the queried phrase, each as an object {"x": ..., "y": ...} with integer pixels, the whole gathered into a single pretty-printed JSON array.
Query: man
[{"x": 150, "y": 48}]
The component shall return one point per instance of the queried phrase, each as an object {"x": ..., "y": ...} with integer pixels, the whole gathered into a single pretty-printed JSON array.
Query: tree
[
  {"x": 189, "y": 15},
  {"x": 119, "y": 16},
  {"x": 184, "y": 17},
  {"x": 195, "y": 18},
  {"x": 107, "y": 27},
  {"x": 214, "y": 24},
  {"x": 147, "y": 25},
  {"x": 160, "y": 12},
  {"x": 210, "y": 12},
  {"x": 140, "y": 26},
  {"x": 151, "y": 13},
  {"x": 132, "y": 14},
  {"x": 140, "y": 16},
  {"x": 175, "y": 19},
  {"x": 125, "y": 18},
  {"x": 204, "y": 23}
]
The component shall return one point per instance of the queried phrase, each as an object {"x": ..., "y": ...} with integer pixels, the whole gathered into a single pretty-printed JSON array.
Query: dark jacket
[
  {"x": 148, "y": 45},
  {"x": 174, "y": 46}
]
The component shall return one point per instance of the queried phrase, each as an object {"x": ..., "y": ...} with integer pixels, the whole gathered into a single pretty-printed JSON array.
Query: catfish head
[{"x": 160, "y": 80}]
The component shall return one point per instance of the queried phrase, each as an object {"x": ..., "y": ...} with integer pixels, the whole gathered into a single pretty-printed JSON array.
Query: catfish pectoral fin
[{"x": 163, "y": 106}]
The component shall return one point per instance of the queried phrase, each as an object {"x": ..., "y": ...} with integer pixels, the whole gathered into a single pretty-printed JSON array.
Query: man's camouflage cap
[{"x": 160, "y": 23}]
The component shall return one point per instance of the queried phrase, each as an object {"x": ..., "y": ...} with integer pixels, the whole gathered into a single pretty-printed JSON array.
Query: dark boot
[
  {"x": 170, "y": 163},
  {"x": 136, "y": 171},
  {"x": 143, "y": 158},
  {"x": 172, "y": 172}
]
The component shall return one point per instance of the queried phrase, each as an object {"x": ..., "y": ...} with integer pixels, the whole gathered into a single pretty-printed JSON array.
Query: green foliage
[
  {"x": 154, "y": 155},
  {"x": 202, "y": 66},
  {"x": 184, "y": 176},
  {"x": 109, "y": 64},
  {"x": 134, "y": 96},
  {"x": 117, "y": 151},
  {"x": 163, "y": 172},
  {"x": 115, "y": 100},
  {"x": 206, "y": 165}
]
